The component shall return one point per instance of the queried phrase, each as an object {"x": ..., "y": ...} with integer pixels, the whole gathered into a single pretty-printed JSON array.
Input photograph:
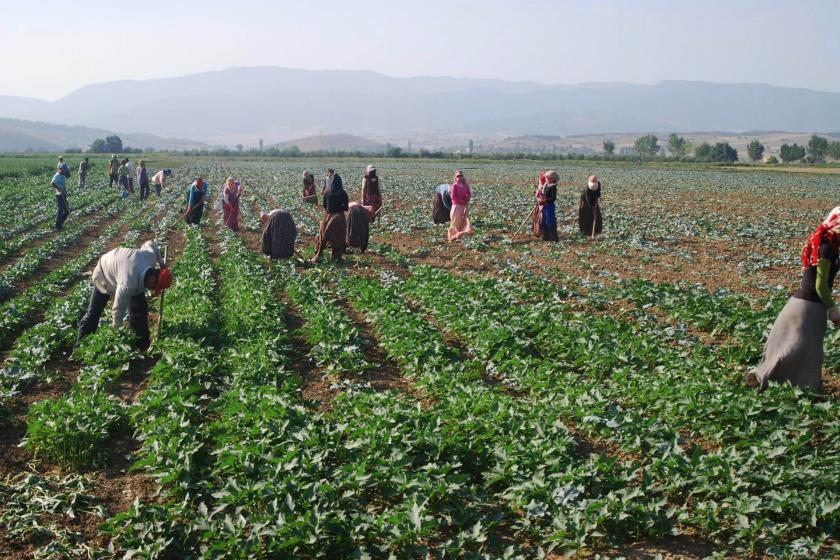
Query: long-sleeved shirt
[
  {"x": 198, "y": 195},
  {"x": 84, "y": 167},
  {"x": 443, "y": 191},
  {"x": 121, "y": 273},
  {"x": 142, "y": 175},
  {"x": 59, "y": 183},
  {"x": 122, "y": 171},
  {"x": 132, "y": 169},
  {"x": 460, "y": 193},
  {"x": 113, "y": 166}
]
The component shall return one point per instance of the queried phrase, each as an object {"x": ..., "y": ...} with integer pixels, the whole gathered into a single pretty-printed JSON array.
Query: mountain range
[{"x": 243, "y": 105}]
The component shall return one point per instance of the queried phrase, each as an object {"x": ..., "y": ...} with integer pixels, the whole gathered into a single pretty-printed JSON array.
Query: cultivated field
[{"x": 490, "y": 399}]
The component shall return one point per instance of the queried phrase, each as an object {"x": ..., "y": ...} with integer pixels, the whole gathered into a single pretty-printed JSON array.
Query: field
[{"x": 486, "y": 399}]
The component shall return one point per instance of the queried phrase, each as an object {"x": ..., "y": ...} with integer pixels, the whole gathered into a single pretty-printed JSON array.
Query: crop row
[{"x": 642, "y": 393}]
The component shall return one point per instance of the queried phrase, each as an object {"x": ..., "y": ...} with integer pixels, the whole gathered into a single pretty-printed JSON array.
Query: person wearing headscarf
[
  {"x": 589, "y": 211},
  {"x": 794, "y": 349},
  {"x": 230, "y": 203},
  {"x": 309, "y": 195},
  {"x": 371, "y": 193},
  {"x": 333, "y": 230},
  {"x": 545, "y": 213},
  {"x": 459, "y": 221},
  {"x": 358, "y": 228},
  {"x": 442, "y": 204},
  {"x": 279, "y": 234},
  {"x": 199, "y": 190}
]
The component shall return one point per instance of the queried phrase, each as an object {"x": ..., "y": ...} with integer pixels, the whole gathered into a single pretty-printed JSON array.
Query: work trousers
[
  {"x": 61, "y": 211},
  {"x": 138, "y": 317},
  {"x": 144, "y": 191}
]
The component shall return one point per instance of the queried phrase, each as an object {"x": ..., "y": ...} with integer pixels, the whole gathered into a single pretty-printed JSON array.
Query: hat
[{"x": 164, "y": 280}]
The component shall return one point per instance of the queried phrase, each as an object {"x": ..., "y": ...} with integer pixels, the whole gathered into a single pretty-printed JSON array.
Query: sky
[{"x": 50, "y": 47}]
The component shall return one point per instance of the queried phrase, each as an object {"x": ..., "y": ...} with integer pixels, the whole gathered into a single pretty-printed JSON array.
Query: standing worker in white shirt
[
  {"x": 132, "y": 173},
  {"x": 125, "y": 274}
]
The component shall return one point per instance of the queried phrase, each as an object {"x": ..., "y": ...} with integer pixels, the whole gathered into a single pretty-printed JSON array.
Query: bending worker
[{"x": 125, "y": 274}]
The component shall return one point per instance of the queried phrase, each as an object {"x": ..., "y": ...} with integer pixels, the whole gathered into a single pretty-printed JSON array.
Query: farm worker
[
  {"x": 442, "y": 204},
  {"x": 279, "y": 234},
  {"x": 794, "y": 349},
  {"x": 371, "y": 193},
  {"x": 230, "y": 203},
  {"x": 358, "y": 228},
  {"x": 159, "y": 180},
  {"x": 199, "y": 190},
  {"x": 132, "y": 173},
  {"x": 309, "y": 195},
  {"x": 84, "y": 167},
  {"x": 122, "y": 174},
  {"x": 460, "y": 193},
  {"x": 62, "y": 207},
  {"x": 113, "y": 171},
  {"x": 63, "y": 168},
  {"x": 333, "y": 230},
  {"x": 589, "y": 211},
  {"x": 547, "y": 215},
  {"x": 143, "y": 180},
  {"x": 125, "y": 274}
]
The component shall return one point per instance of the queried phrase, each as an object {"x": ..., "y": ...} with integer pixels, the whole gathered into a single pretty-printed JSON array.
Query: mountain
[
  {"x": 20, "y": 136},
  {"x": 242, "y": 105},
  {"x": 333, "y": 143}
]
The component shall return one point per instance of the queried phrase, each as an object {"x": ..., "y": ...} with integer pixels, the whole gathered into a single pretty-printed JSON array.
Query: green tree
[
  {"x": 834, "y": 150},
  {"x": 724, "y": 153},
  {"x": 791, "y": 153},
  {"x": 239, "y": 148},
  {"x": 772, "y": 160},
  {"x": 755, "y": 150},
  {"x": 609, "y": 147},
  {"x": 817, "y": 148},
  {"x": 98, "y": 146},
  {"x": 703, "y": 152},
  {"x": 647, "y": 145},
  {"x": 677, "y": 145},
  {"x": 113, "y": 144}
]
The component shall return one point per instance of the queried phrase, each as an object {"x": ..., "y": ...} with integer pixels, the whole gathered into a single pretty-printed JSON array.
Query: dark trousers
[
  {"x": 549, "y": 233},
  {"x": 194, "y": 217},
  {"x": 113, "y": 178},
  {"x": 138, "y": 317},
  {"x": 61, "y": 211},
  {"x": 157, "y": 190},
  {"x": 144, "y": 191}
]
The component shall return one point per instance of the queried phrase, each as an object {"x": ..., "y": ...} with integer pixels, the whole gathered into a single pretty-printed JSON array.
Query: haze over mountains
[{"x": 242, "y": 105}]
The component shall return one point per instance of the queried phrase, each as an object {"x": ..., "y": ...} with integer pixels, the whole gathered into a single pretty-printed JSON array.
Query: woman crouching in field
[
  {"x": 459, "y": 224},
  {"x": 794, "y": 350}
]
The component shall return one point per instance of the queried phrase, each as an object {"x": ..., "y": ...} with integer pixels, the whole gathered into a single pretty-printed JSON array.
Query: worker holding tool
[
  {"x": 125, "y": 274},
  {"x": 199, "y": 191}
]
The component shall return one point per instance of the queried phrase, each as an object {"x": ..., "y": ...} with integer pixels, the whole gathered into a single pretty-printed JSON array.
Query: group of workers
[{"x": 792, "y": 353}]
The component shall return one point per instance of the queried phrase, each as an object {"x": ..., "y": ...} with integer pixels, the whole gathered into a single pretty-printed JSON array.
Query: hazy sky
[{"x": 49, "y": 48}]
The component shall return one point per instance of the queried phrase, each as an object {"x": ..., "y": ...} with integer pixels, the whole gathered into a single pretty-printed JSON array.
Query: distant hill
[
  {"x": 19, "y": 136},
  {"x": 333, "y": 143},
  {"x": 243, "y": 105}
]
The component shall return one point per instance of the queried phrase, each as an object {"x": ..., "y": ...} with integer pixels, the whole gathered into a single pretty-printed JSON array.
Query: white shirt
[
  {"x": 121, "y": 273},
  {"x": 132, "y": 170}
]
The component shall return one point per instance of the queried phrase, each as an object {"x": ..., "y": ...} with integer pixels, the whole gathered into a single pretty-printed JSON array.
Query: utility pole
[{"x": 261, "y": 145}]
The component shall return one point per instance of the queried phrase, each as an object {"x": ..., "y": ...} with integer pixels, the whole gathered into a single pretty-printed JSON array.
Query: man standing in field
[
  {"x": 113, "y": 171},
  {"x": 125, "y": 274},
  {"x": 143, "y": 180},
  {"x": 84, "y": 167},
  {"x": 122, "y": 176},
  {"x": 159, "y": 180},
  {"x": 132, "y": 172},
  {"x": 59, "y": 185}
]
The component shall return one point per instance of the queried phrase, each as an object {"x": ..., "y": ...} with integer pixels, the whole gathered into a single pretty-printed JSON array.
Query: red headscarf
[{"x": 830, "y": 228}]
